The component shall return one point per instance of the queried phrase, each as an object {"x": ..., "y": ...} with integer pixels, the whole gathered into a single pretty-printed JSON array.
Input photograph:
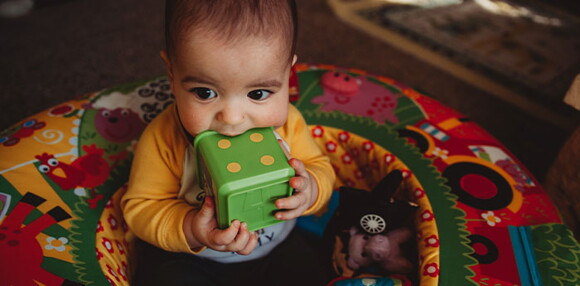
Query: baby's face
[{"x": 230, "y": 87}]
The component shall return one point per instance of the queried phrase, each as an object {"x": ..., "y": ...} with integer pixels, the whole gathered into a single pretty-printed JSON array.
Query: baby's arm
[
  {"x": 152, "y": 207},
  {"x": 201, "y": 230}
]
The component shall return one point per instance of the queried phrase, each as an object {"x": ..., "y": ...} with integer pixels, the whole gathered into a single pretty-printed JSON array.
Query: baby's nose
[{"x": 231, "y": 115}]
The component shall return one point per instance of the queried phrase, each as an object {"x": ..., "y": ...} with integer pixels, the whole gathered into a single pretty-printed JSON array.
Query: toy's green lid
[
  {"x": 243, "y": 159},
  {"x": 245, "y": 173}
]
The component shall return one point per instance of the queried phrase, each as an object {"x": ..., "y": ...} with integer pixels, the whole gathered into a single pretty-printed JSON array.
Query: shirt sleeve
[
  {"x": 303, "y": 147},
  {"x": 151, "y": 206}
]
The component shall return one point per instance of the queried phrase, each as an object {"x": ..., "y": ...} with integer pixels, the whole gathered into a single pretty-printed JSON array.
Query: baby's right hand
[{"x": 205, "y": 232}]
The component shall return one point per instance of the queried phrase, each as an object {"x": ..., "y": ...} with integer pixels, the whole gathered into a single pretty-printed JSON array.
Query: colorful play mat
[{"x": 481, "y": 218}]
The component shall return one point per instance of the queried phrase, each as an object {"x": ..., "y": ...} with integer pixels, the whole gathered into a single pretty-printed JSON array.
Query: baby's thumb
[{"x": 207, "y": 211}]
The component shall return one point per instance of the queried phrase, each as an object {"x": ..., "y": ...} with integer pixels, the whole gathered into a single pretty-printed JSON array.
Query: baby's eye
[
  {"x": 203, "y": 93},
  {"x": 260, "y": 94}
]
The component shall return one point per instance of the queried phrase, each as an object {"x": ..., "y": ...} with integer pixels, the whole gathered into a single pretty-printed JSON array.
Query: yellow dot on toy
[
  {"x": 267, "y": 160},
  {"x": 256, "y": 137},
  {"x": 224, "y": 144},
  {"x": 234, "y": 167}
]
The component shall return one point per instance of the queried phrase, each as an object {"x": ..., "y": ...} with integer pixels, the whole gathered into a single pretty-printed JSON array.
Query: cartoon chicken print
[{"x": 88, "y": 171}]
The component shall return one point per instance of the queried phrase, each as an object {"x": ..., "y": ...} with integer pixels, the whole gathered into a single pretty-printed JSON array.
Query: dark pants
[{"x": 297, "y": 261}]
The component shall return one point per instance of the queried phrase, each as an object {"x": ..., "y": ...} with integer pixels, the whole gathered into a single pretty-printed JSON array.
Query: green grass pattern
[{"x": 557, "y": 254}]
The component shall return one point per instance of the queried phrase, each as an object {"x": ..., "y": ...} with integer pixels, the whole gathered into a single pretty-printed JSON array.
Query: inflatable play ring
[{"x": 482, "y": 218}]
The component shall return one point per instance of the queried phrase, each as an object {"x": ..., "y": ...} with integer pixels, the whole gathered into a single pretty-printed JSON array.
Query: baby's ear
[{"x": 167, "y": 62}]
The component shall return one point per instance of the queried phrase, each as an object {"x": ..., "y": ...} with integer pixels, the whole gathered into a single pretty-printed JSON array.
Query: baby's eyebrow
[
  {"x": 267, "y": 83},
  {"x": 195, "y": 79},
  {"x": 273, "y": 83}
]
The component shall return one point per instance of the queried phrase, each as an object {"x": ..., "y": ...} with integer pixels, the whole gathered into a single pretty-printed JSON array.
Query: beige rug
[{"x": 527, "y": 56}]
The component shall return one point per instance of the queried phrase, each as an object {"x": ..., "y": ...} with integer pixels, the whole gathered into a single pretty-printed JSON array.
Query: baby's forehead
[
  {"x": 231, "y": 21},
  {"x": 189, "y": 37}
]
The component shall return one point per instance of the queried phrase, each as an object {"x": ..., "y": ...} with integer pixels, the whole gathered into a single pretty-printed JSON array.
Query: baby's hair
[{"x": 232, "y": 20}]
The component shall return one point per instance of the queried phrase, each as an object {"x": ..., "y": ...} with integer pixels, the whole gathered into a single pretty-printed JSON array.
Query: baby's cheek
[
  {"x": 278, "y": 113},
  {"x": 195, "y": 124},
  {"x": 277, "y": 118}
]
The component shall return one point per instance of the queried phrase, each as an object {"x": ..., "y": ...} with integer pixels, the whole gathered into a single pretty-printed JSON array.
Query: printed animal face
[
  {"x": 357, "y": 96},
  {"x": 118, "y": 125}
]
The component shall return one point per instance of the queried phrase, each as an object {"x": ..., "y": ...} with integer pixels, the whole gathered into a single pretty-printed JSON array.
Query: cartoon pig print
[{"x": 357, "y": 96}]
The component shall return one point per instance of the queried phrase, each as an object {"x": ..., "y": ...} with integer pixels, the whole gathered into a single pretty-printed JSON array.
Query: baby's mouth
[{"x": 231, "y": 133}]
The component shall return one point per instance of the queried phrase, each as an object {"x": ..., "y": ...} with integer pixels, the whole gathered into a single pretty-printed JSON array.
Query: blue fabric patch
[
  {"x": 317, "y": 224},
  {"x": 368, "y": 282},
  {"x": 524, "y": 253}
]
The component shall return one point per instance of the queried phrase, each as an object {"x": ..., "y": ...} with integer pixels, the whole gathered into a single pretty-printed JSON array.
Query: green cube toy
[{"x": 245, "y": 174}]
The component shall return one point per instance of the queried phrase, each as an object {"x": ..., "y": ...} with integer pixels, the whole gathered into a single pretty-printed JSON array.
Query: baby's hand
[
  {"x": 305, "y": 194},
  {"x": 204, "y": 231}
]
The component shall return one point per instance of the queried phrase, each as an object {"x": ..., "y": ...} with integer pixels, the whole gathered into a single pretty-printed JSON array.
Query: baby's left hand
[{"x": 305, "y": 193}]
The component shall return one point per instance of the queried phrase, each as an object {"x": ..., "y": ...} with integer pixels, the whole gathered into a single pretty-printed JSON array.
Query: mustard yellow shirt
[{"x": 154, "y": 205}]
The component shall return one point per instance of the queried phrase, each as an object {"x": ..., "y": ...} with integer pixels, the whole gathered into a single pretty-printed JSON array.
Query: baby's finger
[
  {"x": 286, "y": 152},
  {"x": 289, "y": 214},
  {"x": 227, "y": 236},
  {"x": 241, "y": 239},
  {"x": 298, "y": 183},
  {"x": 207, "y": 211},
  {"x": 251, "y": 245},
  {"x": 298, "y": 166},
  {"x": 296, "y": 200}
]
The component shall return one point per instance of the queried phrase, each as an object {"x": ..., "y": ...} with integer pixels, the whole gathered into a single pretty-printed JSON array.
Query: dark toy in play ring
[{"x": 373, "y": 233}]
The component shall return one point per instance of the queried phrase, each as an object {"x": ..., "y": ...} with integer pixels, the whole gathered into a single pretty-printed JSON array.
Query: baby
[{"x": 228, "y": 63}]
